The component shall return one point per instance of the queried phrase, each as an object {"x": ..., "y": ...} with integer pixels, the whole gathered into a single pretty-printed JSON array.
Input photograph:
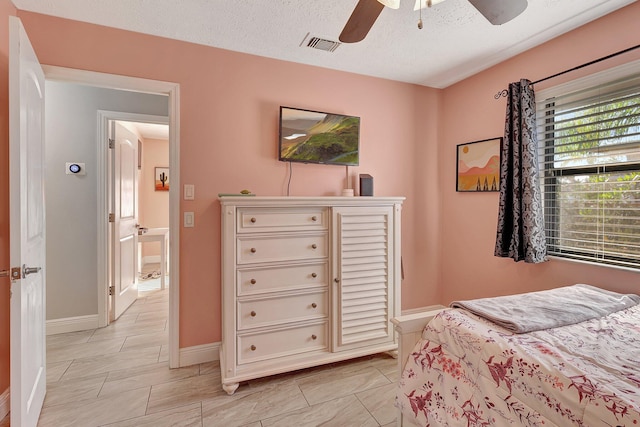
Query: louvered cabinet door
[{"x": 364, "y": 288}]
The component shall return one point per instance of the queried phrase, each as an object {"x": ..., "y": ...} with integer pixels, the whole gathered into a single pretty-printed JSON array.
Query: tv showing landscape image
[{"x": 315, "y": 137}]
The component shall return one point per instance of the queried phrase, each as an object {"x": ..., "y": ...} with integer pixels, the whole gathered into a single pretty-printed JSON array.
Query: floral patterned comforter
[{"x": 467, "y": 371}]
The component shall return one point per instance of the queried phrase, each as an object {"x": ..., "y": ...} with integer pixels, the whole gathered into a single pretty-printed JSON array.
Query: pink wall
[
  {"x": 470, "y": 113},
  {"x": 228, "y": 136},
  {"x": 425, "y": 205},
  {"x": 6, "y": 9}
]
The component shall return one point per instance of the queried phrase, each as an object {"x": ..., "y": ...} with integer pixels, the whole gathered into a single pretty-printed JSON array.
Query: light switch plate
[
  {"x": 189, "y": 220},
  {"x": 189, "y": 192}
]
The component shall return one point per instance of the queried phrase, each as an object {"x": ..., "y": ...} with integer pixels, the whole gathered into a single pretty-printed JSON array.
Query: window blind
[{"x": 589, "y": 152}]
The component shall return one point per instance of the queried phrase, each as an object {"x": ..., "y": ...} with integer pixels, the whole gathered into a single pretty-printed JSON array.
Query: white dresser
[{"x": 306, "y": 281}]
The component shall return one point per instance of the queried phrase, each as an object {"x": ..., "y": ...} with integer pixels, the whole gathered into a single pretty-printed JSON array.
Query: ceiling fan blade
[
  {"x": 499, "y": 12},
  {"x": 361, "y": 21}
]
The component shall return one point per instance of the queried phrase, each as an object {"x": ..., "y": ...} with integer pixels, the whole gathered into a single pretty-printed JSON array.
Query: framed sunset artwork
[{"x": 478, "y": 166}]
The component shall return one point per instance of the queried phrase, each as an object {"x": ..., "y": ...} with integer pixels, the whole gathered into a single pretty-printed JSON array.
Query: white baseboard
[
  {"x": 5, "y": 403},
  {"x": 420, "y": 309},
  {"x": 151, "y": 259},
  {"x": 72, "y": 324},
  {"x": 199, "y": 354}
]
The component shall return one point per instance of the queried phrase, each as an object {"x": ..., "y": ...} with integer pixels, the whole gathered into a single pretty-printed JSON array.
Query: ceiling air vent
[{"x": 323, "y": 44}]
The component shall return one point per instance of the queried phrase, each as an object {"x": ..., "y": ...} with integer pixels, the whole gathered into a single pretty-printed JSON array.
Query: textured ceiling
[{"x": 456, "y": 41}]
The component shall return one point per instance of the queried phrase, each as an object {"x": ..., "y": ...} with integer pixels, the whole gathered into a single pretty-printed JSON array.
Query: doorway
[
  {"x": 138, "y": 155},
  {"x": 99, "y": 235}
]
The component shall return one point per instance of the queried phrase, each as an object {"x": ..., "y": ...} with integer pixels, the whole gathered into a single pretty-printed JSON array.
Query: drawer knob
[
  {"x": 253, "y": 250},
  {"x": 336, "y": 280},
  {"x": 252, "y": 281},
  {"x": 253, "y": 348},
  {"x": 313, "y": 337},
  {"x": 314, "y": 275},
  {"x": 253, "y": 314},
  {"x": 314, "y": 246},
  {"x": 314, "y": 305},
  {"x": 253, "y": 219},
  {"x": 314, "y": 218}
]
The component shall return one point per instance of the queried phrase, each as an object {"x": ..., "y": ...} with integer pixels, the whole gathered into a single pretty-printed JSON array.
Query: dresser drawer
[
  {"x": 281, "y": 248},
  {"x": 253, "y": 281},
  {"x": 281, "y": 309},
  {"x": 251, "y": 220},
  {"x": 283, "y": 342}
]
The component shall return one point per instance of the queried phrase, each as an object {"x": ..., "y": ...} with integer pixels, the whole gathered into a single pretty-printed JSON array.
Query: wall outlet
[{"x": 189, "y": 220}]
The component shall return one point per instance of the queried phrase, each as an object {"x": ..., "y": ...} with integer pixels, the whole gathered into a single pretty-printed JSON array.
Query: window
[{"x": 589, "y": 142}]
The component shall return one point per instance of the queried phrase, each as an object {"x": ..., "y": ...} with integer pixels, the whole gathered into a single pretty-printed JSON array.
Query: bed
[{"x": 466, "y": 370}]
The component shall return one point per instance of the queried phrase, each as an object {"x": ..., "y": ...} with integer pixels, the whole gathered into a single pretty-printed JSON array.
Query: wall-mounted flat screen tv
[{"x": 314, "y": 137}]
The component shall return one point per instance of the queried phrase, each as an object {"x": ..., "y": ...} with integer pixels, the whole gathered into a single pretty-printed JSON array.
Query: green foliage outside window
[{"x": 592, "y": 178}]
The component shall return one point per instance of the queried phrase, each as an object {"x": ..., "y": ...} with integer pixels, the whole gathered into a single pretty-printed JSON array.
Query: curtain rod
[{"x": 505, "y": 92}]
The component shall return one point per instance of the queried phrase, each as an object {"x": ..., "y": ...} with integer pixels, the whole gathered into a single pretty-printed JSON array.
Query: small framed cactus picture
[{"x": 162, "y": 179}]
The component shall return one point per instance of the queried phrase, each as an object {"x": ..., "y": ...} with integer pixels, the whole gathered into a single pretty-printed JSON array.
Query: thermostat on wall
[{"x": 74, "y": 168}]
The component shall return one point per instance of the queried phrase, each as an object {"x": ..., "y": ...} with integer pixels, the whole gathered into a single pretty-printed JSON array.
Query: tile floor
[{"x": 119, "y": 376}]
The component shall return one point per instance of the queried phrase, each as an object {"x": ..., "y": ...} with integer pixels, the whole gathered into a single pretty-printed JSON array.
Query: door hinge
[
  {"x": 111, "y": 290},
  {"x": 112, "y": 143},
  {"x": 112, "y": 217}
]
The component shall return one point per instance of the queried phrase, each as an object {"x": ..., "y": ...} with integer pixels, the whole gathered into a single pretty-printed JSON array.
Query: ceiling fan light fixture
[
  {"x": 393, "y": 4},
  {"x": 423, "y": 4},
  {"x": 499, "y": 12},
  {"x": 366, "y": 12}
]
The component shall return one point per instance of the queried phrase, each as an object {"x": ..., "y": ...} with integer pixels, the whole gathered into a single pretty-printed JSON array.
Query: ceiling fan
[{"x": 366, "y": 12}]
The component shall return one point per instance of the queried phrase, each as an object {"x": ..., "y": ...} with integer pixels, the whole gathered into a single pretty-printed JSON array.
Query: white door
[
  {"x": 125, "y": 226},
  {"x": 27, "y": 225}
]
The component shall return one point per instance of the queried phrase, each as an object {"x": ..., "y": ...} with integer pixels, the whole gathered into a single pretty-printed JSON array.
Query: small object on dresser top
[{"x": 241, "y": 193}]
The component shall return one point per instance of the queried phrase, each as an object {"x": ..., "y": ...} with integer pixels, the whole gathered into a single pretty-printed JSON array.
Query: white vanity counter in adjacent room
[{"x": 160, "y": 235}]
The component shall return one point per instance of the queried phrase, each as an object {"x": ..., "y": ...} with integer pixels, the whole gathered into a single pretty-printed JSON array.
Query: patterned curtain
[{"x": 520, "y": 232}]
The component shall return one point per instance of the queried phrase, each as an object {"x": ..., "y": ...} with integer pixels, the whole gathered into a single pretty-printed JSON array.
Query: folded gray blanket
[{"x": 535, "y": 311}]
